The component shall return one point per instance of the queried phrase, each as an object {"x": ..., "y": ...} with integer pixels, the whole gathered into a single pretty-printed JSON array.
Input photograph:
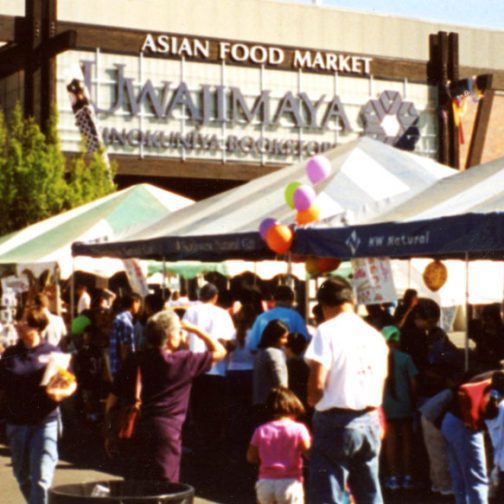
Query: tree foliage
[
  {"x": 90, "y": 178},
  {"x": 34, "y": 184}
]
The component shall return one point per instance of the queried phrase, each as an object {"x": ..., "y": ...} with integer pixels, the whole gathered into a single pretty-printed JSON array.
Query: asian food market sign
[{"x": 256, "y": 54}]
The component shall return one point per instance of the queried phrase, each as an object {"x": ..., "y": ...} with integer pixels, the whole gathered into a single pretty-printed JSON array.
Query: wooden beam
[
  {"x": 13, "y": 58},
  {"x": 453, "y": 75},
  {"x": 481, "y": 124},
  {"x": 126, "y": 41},
  {"x": 439, "y": 69},
  {"x": 175, "y": 168},
  {"x": 8, "y": 26},
  {"x": 497, "y": 75}
]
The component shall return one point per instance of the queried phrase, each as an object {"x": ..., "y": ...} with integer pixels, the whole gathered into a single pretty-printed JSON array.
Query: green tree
[
  {"x": 33, "y": 182},
  {"x": 90, "y": 177}
]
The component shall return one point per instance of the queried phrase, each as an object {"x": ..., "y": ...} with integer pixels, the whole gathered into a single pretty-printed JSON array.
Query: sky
[{"x": 478, "y": 13}]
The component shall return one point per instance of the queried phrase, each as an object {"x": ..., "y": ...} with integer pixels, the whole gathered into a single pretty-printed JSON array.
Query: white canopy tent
[{"x": 364, "y": 172}]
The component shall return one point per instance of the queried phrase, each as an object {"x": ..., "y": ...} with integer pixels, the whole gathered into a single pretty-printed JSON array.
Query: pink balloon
[
  {"x": 318, "y": 169},
  {"x": 304, "y": 196},
  {"x": 265, "y": 226}
]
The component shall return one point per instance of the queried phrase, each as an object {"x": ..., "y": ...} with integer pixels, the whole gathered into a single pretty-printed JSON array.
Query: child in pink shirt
[{"x": 277, "y": 447}]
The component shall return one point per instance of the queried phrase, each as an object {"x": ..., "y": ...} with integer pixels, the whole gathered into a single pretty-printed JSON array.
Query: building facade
[{"x": 201, "y": 95}]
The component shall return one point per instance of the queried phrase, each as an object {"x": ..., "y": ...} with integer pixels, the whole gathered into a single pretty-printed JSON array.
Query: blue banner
[{"x": 479, "y": 235}]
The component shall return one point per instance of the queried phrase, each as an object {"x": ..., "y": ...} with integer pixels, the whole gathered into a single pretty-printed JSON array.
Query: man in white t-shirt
[
  {"x": 208, "y": 393},
  {"x": 84, "y": 299},
  {"x": 348, "y": 367},
  {"x": 56, "y": 330}
]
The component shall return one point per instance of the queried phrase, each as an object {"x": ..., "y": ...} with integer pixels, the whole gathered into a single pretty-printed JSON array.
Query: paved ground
[
  {"x": 215, "y": 479},
  {"x": 229, "y": 485},
  {"x": 81, "y": 461}
]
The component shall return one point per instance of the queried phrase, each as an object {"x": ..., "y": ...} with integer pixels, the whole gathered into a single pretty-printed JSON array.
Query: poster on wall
[{"x": 373, "y": 281}]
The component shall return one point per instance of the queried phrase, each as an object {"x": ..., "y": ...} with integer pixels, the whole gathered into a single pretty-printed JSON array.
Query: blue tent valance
[{"x": 479, "y": 235}]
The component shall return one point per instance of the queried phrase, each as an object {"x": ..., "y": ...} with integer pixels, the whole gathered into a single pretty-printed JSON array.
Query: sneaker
[
  {"x": 407, "y": 482},
  {"x": 392, "y": 483},
  {"x": 447, "y": 492},
  {"x": 434, "y": 489}
]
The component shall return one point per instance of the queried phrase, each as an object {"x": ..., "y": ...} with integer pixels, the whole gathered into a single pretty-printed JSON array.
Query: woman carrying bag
[{"x": 166, "y": 374}]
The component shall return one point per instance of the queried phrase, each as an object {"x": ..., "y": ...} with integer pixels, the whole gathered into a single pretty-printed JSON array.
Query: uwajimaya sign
[{"x": 159, "y": 103}]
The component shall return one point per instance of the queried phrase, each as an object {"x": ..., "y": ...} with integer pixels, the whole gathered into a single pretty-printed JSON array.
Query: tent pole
[
  {"x": 466, "y": 343},
  {"x": 57, "y": 289},
  {"x": 163, "y": 285},
  {"x": 72, "y": 291}
]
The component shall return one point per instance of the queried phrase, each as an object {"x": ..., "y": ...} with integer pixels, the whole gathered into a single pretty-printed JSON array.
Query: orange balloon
[
  {"x": 279, "y": 238},
  {"x": 307, "y": 216},
  {"x": 326, "y": 264}
]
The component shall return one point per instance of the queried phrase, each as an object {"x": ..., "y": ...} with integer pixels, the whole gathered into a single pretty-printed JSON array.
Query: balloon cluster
[{"x": 301, "y": 197}]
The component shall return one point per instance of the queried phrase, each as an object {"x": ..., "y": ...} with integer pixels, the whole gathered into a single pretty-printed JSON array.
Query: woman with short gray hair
[{"x": 166, "y": 377}]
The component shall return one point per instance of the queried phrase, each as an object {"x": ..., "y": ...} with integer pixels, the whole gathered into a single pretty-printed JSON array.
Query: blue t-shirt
[
  {"x": 21, "y": 371},
  {"x": 400, "y": 406},
  {"x": 290, "y": 317},
  {"x": 122, "y": 334}
]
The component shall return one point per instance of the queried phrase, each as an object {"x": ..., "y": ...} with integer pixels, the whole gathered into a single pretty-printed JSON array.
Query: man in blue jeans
[
  {"x": 474, "y": 402},
  {"x": 348, "y": 367}
]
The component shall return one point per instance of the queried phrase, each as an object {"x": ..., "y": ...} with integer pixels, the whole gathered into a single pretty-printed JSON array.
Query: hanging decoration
[
  {"x": 289, "y": 193},
  {"x": 279, "y": 238},
  {"x": 318, "y": 169},
  {"x": 435, "y": 275},
  {"x": 316, "y": 266},
  {"x": 266, "y": 225},
  {"x": 459, "y": 91},
  {"x": 308, "y": 216},
  {"x": 302, "y": 198}
]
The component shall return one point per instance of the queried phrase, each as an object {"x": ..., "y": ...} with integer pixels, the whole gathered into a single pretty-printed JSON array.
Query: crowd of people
[{"x": 253, "y": 382}]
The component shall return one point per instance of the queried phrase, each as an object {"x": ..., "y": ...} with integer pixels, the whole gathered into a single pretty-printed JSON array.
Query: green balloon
[
  {"x": 79, "y": 324},
  {"x": 289, "y": 193}
]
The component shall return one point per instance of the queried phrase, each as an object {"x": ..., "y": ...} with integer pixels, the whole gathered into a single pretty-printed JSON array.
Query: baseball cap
[{"x": 391, "y": 333}]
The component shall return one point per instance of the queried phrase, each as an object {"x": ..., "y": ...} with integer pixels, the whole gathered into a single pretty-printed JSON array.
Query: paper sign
[
  {"x": 373, "y": 281},
  {"x": 136, "y": 276},
  {"x": 16, "y": 284}
]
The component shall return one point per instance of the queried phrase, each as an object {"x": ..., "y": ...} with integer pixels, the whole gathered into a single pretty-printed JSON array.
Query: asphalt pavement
[{"x": 215, "y": 477}]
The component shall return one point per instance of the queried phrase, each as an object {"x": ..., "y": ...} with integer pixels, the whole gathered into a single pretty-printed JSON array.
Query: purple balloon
[
  {"x": 318, "y": 169},
  {"x": 265, "y": 226},
  {"x": 304, "y": 196}
]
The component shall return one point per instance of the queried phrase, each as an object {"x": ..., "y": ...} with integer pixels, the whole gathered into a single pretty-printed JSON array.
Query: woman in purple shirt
[{"x": 166, "y": 378}]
